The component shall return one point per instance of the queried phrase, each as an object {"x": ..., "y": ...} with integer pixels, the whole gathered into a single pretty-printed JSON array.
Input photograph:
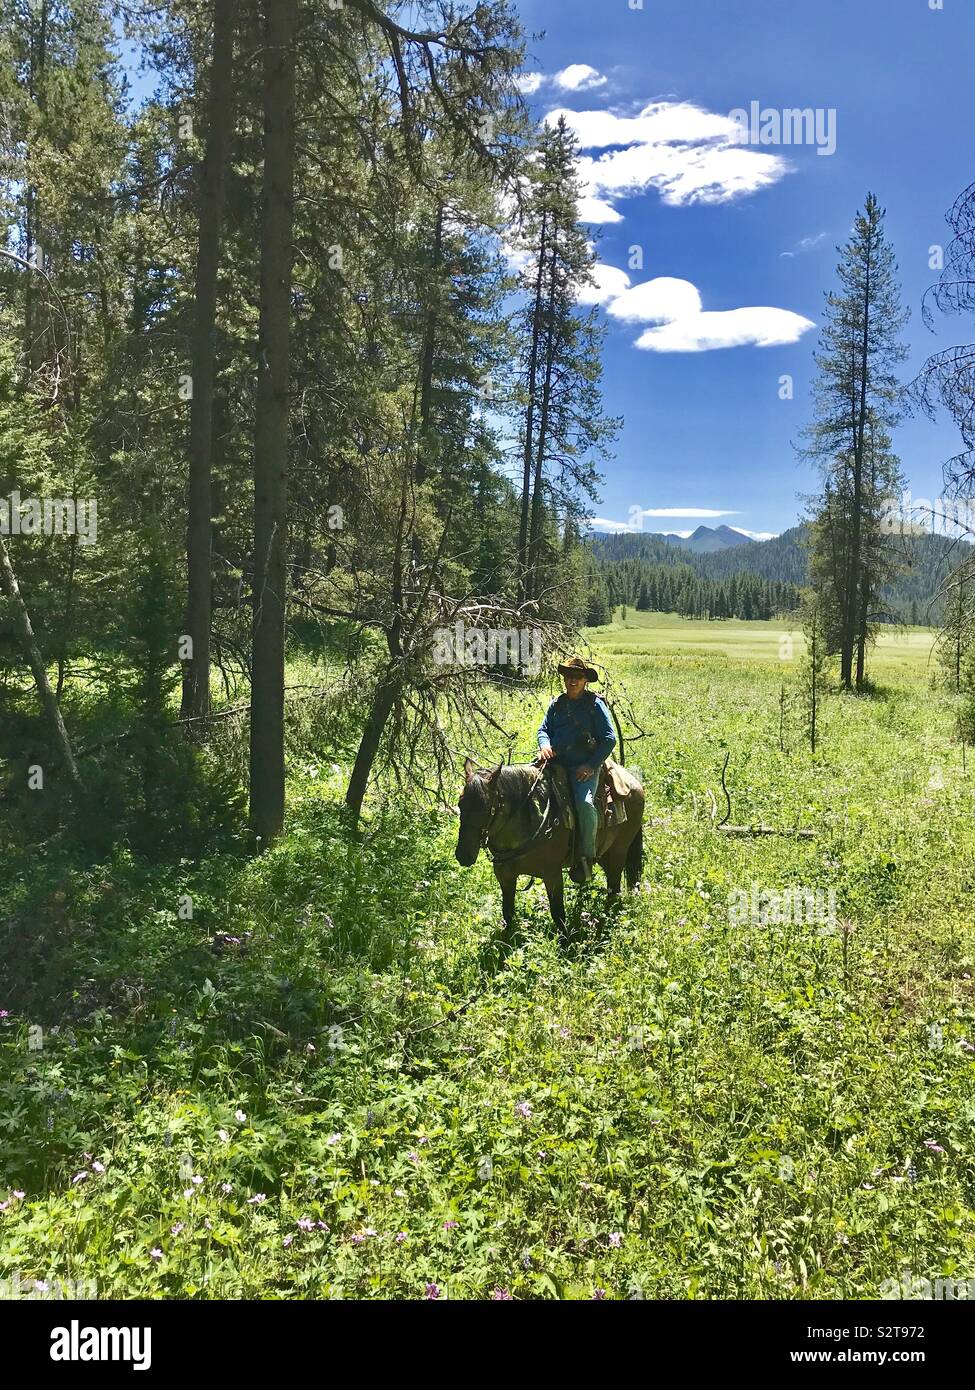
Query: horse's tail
[{"x": 634, "y": 860}]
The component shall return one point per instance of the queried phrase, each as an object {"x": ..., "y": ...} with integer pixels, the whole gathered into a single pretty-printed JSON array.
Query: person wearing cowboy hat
[{"x": 578, "y": 731}]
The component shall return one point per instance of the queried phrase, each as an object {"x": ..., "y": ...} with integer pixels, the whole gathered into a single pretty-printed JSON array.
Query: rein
[{"x": 505, "y": 855}]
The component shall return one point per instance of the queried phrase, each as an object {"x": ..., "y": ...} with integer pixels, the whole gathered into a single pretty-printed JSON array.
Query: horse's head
[{"x": 476, "y": 810}]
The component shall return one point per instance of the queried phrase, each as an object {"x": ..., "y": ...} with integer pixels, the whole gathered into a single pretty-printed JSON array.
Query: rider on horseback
[{"x": 578, "y": 731}]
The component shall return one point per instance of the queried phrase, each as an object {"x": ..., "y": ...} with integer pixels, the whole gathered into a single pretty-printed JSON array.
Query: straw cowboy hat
[{"x": 575, "y": 666}]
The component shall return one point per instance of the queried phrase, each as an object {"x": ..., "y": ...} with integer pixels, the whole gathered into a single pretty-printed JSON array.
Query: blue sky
[{"x": 749, "y": 228}]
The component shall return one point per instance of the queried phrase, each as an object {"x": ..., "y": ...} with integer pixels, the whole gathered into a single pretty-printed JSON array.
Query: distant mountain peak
[{"x": 707, "y": 539}]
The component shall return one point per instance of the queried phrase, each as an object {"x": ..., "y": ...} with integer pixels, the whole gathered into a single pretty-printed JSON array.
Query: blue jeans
[{"x": 583, "y": 794}]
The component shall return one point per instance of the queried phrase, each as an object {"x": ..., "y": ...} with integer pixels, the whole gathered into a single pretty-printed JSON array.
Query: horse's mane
[{"x": 511, "y": 781}]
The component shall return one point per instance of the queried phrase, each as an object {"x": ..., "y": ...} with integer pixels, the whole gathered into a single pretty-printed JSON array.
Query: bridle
[{"x": 505, "y": 855}]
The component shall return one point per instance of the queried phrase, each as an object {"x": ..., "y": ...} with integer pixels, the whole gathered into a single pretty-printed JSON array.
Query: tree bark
[
  {"x": 267, "y": 770},
  {"x": 8, "y": 582},
  {"x": 428, "y": 354},
  {"x": 199, "y": 534},
  {"x": 526, "y": 480},
  {"x": 538, "y": 488},
  {"x": 33, "y": 309},
  {"x": 855, "y": 578},
  {"x": 383, "y": 700}
]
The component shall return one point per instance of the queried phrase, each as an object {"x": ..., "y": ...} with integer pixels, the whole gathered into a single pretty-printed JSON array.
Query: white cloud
[
  {"x": 597, "y": 210},
  {"x": 687, "y": 154},
  {"x": 609, "y": 283},
  {"x": 600, "y": 523},
  {"x": 662, "y": 300},
  {"x": 635, "y": 523},
  {"x": 685, "y": 511},
  {"x": 759, "y": 327},
  {"x": 529, "y": 82},
  {"x": 681, "y": 324},
  {"x": 755, "y": 535},
  {"x": 808, "y": 243},
  {"x": 579, "y": 77}
]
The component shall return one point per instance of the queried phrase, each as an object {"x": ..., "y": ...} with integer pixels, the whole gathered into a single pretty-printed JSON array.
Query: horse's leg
[
  {"x": 509, "y": 883},
  {"x": 555, "y": 888},
  {"x": 612, "y": 864}
]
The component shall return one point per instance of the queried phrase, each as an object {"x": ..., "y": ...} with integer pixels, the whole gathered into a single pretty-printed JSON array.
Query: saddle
[{"x": 612, "y": 790}]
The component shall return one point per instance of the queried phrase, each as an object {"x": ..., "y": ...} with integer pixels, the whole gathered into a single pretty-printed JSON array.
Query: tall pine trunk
[
  {"x": 527, "y": 458},
  {"x": 383, "y": 699},
  {"x": 855, "y": 577},
  {"x": 199, "y": 536},
  {"x": 271, "y": 426},
  {"x": 34, "y": 331},
  {"x": 49, "y": 704},
  {"x": 538, "y": 487}
]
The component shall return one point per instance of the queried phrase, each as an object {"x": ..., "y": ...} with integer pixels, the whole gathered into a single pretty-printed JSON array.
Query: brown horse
[{"x": 514, "y": 814}]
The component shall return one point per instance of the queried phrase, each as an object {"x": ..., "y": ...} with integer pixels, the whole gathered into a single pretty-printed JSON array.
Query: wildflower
[
  {"x": 208, "y": 1223},
  {"x": 226, "y": 1187},
  {"x": 333, "y": 1139},
  {"x": 321, "y": 1225},
  {"x": 223, "y": 1136},
  {"x": 4, "y": 1205},
  {"x": 413, "y": 1156},
  {"x": 432, "y": 1291},
  {"x": 155, "y": 1254},
  {"x": 197, "y": 1180},
  {"x": 524, "y": 1109},
  {"x": 239, "y": 1116},
  {"x": 309, "y": 1047},
  {"x": 357, "y": 1239},
  {"x": 599, "y": 1294},
  {"x": 450, "y": 1225},
  {"x": 287, "y": 1241},
  {"x": 499, "y": 1295},
  {"x": 967, "y": 1046},
  {"x": 79, "y": 1177},
  {"x": 423, "y": 1139},
  {"x": 4, "y": 1013},
  {"x": 257, "y": 1199},
  {"x": 98, "y": 1167},
  {"x": 400, "y": 1237},
  {"x": 189, "y": 1192},
  {"x": 399, "y": 1192},
  {"x": 305, "y": 1224},
  {"x": 41, "y": 1285},
  {"x": 935, "y": 1148},
  {"x": 19, "y": 1195},
  {"x": 616, "y": 1239},
  {"x": 175, "y": 1230}
]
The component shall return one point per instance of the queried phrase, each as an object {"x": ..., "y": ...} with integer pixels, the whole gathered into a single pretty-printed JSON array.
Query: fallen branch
[{"x": 726, "y": 829}]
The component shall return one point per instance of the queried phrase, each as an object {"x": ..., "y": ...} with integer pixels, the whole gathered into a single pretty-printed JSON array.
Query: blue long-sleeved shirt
[{"x": 566, "y": 724}]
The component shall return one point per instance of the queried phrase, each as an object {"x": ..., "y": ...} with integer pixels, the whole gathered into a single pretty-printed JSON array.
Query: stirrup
[{"x": 581, "y": 871}]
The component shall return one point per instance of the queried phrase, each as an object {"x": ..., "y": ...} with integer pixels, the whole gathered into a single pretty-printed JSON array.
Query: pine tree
[
  {"x": 855, "y": 406},
  {"x": 563, "y": 427}
]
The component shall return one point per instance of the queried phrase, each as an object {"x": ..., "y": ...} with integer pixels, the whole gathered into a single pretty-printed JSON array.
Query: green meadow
[
  {"x": 666, "y": 634},
  {"x": 325, "y": 1083}
]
